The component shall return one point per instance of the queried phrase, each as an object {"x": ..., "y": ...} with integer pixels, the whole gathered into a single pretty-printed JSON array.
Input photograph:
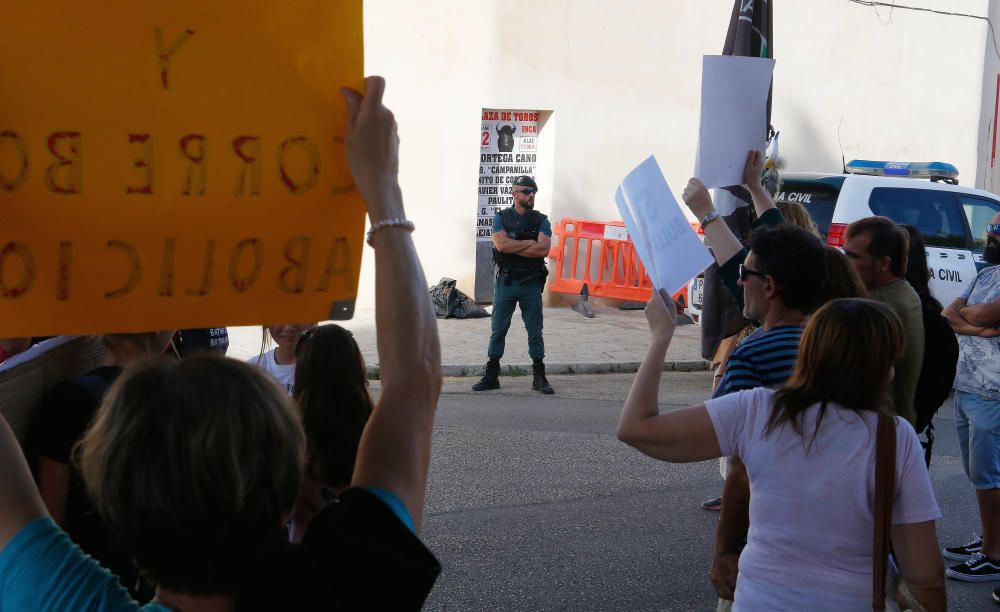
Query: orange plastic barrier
[{"x": 600, "y": 255}]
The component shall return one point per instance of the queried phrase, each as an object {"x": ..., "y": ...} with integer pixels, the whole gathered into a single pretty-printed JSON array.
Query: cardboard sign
[
  {"x": 664, "y": 239},
  {"x": 25, "y": 379},
  {"x": 176, "y": 164}
]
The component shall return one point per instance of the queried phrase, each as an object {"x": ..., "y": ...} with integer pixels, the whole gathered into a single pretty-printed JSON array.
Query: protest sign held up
[
  {"x": 176, "y": 165},
  {"x": 734, "y": 94},
  {"x": 669, "y": 249}
]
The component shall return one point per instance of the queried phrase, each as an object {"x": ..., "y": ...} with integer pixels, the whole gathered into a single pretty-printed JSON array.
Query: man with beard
[
  {"x": 974, "y": 317},
  {"x": 879, "y": 250},
  {"x": 521, "y": 240}
]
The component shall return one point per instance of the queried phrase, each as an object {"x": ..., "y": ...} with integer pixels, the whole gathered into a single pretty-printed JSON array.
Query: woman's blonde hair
[
  {"x": 845, "y": 357},
  {"x": 193, "y": 464},
  {"x": 796, "y": 214}
]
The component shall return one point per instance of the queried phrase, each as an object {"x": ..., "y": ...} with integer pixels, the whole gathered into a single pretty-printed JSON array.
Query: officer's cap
[{"x": 525, "y": 181}]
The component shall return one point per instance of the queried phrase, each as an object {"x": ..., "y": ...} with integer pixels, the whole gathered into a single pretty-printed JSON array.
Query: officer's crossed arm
[
  {"x": 539, "y": 248},
  {"x": 976, "y": 320},
  {"x": 527, "y": 248}
]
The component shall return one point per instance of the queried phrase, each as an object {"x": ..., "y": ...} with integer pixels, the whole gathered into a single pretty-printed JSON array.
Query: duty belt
[{"x": 521, "y": 275}]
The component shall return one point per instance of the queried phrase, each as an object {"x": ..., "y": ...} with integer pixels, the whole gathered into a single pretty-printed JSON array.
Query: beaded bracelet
[{"x": 391, "y": 222}]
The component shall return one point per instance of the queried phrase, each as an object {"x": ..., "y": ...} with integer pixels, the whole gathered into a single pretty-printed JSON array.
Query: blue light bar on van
[{"x": 928, "y": 170}]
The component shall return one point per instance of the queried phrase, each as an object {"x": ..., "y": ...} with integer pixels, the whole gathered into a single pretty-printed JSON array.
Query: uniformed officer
[{"x": 521, "y": 239}]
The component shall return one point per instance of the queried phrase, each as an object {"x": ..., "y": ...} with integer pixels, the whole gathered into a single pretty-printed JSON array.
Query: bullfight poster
[
  {"x": 176, "y": 164},
  {"x": 508, "y": 148}
]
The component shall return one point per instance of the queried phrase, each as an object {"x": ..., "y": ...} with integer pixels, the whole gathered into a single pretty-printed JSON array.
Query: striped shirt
[{"x": 763, "y": 361}]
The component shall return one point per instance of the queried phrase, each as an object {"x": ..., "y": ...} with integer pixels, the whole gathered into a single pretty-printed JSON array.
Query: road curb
[{"x": 524, "y": 369}]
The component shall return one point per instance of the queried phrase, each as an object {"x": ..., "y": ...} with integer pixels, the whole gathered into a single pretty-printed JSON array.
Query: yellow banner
[{"x": 176, "y": 164}]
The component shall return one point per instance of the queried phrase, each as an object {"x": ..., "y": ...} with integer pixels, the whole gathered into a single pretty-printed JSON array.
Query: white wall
[
  {"x": 908, "y": 90},
  {"x": 988, "y": 176},
  {"x": 622, "y": 79}
]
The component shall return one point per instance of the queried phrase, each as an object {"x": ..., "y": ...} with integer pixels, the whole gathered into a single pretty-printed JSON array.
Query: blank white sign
[
  {"x": 667, "y": 245},
  {"x": 733, "y": 116}
]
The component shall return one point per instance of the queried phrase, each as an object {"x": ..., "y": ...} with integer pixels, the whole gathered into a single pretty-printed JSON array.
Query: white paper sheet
[
  {"x": 733, "y": 116},
  {"x": 666, "y": 244}
]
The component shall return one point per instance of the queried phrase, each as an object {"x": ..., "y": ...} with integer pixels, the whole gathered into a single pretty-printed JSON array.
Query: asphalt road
[{"x": 534, "y": 505}]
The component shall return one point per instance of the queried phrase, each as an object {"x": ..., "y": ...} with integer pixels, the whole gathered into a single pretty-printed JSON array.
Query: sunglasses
[
  {"x": 993, "y": 228},
  {"x": 529, "y": 191},
  {"x": 746, "y": 272}
]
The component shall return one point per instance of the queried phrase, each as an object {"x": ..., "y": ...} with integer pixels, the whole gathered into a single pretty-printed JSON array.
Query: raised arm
[
  {"x": 19, "y": 500},
  {"x": 678, "y": 436},
  {"x": 752, "y": 173},
  {"x": 724, "y": 242},
  {"x": 395, "y": 448}
]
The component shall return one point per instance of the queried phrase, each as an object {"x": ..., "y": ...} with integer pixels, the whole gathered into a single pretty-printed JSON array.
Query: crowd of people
[
  {"x": 191, "y": 481},
  {"x": 836, "y": 342}
]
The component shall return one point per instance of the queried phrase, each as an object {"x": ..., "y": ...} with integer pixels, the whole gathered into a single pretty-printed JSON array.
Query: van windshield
[{"x": 818, "y": 198}]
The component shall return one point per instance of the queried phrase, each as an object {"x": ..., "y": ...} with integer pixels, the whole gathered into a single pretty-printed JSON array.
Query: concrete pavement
[{"x": 613, "y": 341}]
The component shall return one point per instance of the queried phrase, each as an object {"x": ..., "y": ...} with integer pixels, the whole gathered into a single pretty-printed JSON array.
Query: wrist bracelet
[
  {"x": 391, "y": 222},
  {"x": 712, "y": 216}
]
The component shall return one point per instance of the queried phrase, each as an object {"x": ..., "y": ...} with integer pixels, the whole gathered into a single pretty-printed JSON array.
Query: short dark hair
[
  {"x": 887, "y": 240},
  {"x": 795, "y": 259},
  {"x": 192, "y": 465}
]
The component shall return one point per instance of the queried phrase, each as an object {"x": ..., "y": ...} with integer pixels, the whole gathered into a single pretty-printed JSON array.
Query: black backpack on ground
[{"x": 937, "y": 373}]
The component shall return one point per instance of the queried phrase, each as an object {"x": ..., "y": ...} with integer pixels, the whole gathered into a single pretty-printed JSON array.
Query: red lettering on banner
[
  {"x": 22, "y": 150},
  {"x": 70, "y": 161},
  {"x": 27, "y": 280},
  {"x": 64, "y": 267},
  {"x": 206, "y": 273},
  {"x": 247, "y": 148},
  {"x": 196, "y": 169},
  {"x": 164, "y": 55},
  {"x": 144, "y": 163},
  {"x": 338, "y": 263},
  {"x": 243, "y": 283},
  {"x": 292, "y": 278},
  {"x": 167, "y": 268},
  {"x": 134, "y": 268},
  {"x": 312, "y": 156}
]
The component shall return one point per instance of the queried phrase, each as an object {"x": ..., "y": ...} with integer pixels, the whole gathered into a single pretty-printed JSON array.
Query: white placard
[
  {"x": 733, "y": 116},
  {"x": 667, "y": 245}
]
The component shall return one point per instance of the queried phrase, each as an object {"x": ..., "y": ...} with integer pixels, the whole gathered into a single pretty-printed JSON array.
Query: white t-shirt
[
  {"x": 284, "y": 374},
  {"x": 812, "y": 513}
]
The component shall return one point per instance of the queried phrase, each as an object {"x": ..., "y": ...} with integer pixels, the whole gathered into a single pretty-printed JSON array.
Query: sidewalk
[{"x": 613, "y": 341}]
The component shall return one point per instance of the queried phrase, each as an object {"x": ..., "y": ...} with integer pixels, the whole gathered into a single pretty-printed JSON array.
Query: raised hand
[
  {"x": 372, "y": 146},
  {"x": 661, "y": 314},
  {"x": 697, "y": 198},
  {"x": 754, "y": 169}
]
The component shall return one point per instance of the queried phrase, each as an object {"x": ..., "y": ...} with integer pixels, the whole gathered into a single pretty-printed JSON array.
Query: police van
[{"x": 951, "y": 217}]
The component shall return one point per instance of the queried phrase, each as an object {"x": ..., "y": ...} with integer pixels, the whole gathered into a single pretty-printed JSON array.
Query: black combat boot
[
  {"x": 491, "y": 377},
  {"x": 540, "y": 383}
]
